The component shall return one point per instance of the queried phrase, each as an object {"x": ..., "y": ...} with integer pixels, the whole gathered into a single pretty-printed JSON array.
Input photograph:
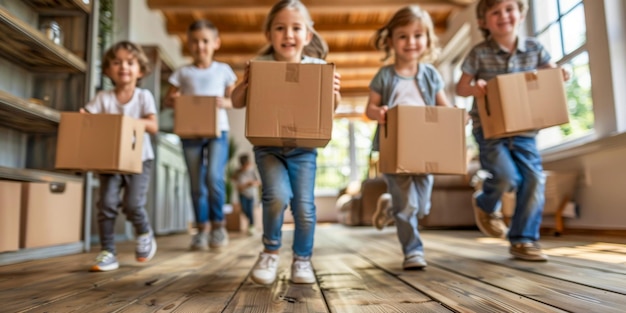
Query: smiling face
[
  {"x": 502, "y": 19},
  {"x": 288, "y": 35},
  {"x": 202, "y": 44},
  {"x": 409, "y": 42},
  {"x": 124, "y": 69}
]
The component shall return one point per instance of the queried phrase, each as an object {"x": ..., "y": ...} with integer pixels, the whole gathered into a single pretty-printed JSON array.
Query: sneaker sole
[
  {"x": 261, "y": 281},
  {"x": 110, "y": 267},
  {"x": 152, "y": 253},
  {"x": 530, "y": 258}
]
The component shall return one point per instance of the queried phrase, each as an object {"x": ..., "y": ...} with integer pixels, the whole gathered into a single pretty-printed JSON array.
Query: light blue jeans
[
  {"x": 410, "y": 197},
  {"x": 206, "y": 163},
  {"x": 288, "y": 178},
  {"x": 515, "y": 165}
]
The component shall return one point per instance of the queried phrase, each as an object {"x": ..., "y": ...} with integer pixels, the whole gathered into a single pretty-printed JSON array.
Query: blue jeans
[
  {"x": 288, "y": 178},
  {"x": 206, "y": 163},
  {"x": 515, "y": 165},
  {"x": 410, "y": 198},
  {"x": 247, "y": 206}
]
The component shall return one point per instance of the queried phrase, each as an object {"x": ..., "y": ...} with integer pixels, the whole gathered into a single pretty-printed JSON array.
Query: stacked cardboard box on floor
[
  {"x": 290, "y": 104},
  {"x": 10, "y": 213},
  {"x": 100, "y": 142},
  {"x": 51, "y": 213},
  {"x": 520, "y": 102}
]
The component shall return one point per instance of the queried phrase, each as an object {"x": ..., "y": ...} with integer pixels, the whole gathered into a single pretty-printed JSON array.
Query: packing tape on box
[
  {"x": 532, "y": 80},
  {"x": 431, "y": 115},
  {"x": 292, "y": 73}
]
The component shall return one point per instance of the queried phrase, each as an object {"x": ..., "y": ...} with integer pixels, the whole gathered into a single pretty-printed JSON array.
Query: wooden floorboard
[{"x": 358, "y": 269}]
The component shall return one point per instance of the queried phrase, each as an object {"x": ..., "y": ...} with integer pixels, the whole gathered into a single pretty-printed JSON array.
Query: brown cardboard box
[
  {"x": 10, "y": 205},
  {"x": 290, "y": 104},
  {"x": 51, "y": 213},
  {"x": 196, "y": 117},
  {"x": 423, "y": 139},
  {"x": 100, "y": 142},
  {"x": 521, "y": 102}
]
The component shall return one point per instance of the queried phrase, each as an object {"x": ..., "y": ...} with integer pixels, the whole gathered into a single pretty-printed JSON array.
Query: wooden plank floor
[{"x": 358, "y": 270}]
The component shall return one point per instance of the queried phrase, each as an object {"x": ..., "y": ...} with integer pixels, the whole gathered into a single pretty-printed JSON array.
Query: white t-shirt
[
  {"x": 211, "y": 81},
  {"x": 406, "y": 92},
  {"x": 140, "y": 105}
]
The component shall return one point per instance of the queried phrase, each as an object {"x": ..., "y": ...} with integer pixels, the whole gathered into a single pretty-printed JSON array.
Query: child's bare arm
[
  {"x": 226, "y": 102},
  {"x": 442, "y": 100},
  {"x": 373, "y": 110},
  {"x": 466, "y": 88},
  {"x": 240, "y": 93},
  {"x": 170, "y": 97},
  {"x": 151, "y": 123},
  {"x": 337, "y": 88}
]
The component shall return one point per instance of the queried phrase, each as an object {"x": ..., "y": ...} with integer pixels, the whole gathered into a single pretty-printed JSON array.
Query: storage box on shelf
[{"x": 45, "y": 75}]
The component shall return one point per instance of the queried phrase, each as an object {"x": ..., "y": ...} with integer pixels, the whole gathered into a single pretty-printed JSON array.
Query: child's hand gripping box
[
  {"x": 423, "y": 140},
  {"x": 519, "y": 102},
  {"x": 196, "y": 117},
  {"x": 100, "y": 142},
  {"x": 290, "y": 104}
]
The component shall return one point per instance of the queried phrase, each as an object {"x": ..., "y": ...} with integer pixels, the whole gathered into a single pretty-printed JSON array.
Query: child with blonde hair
[
  {"x": 287, "y": 174},
  {"x": 125, "y": 64},
  {"x": 513, "y": 164},
  {"x": 206, "y": 158},
  {"x": 410, "y": 36}
]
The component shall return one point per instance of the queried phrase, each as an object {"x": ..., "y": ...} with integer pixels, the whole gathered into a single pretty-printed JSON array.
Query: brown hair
[
  {"x": 317, "y": 48},
  {"x": 484, "y": 6},
  {"x": 403, "y": 17},
  {"x": 135, "y": 50},
  {"x": 202, "y": 24}
]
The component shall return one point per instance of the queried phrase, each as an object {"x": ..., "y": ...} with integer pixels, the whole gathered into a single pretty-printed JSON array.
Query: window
[
  {"x": 346, "y": 157},
  {"x": 560, "y": 26}
]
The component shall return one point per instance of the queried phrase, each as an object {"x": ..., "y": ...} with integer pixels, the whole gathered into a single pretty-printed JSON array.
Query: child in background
[
  {"x": 125, "y": 64},
  {"x": 247, "y": 183},
  {"x": 206, "y": 158},
  {"x": 513, "y": 163},
  {"x": 409, "y": 80},
  {"x": 287, "y": 174}
]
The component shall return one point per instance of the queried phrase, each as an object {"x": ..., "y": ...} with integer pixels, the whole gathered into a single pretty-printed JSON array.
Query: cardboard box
[
  {"x": 10, "y": 206},
  {"x": 196, "y": 117},
  {"x": 521, "y": 102},
  {"x": 51, "y": 213},
  {"x": 290, "y": 104},
  {"x": 100, "y": 142},
  {"x": 423, "y": 139}
]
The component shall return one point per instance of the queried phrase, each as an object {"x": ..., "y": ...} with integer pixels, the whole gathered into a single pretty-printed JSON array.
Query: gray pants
[{"x": 133, "y": 205}]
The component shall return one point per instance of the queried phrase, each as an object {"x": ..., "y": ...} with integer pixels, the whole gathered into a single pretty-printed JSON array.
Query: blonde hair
[
  {"x": 484, "y": 6},
  {"x": 135, "y": 50},
  {"x": 317, "y": 48},
  {"x": 404, "y": 16}
]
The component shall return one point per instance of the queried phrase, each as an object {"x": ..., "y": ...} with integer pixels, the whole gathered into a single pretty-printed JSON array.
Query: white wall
[{"x": 134, "y": 21}]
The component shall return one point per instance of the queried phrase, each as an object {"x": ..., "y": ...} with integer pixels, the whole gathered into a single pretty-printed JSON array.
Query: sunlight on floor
[{"x": 600, "y": 251}]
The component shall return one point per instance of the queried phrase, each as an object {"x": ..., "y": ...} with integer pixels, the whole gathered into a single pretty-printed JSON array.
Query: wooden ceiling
[{"x": 346, "y": 25}]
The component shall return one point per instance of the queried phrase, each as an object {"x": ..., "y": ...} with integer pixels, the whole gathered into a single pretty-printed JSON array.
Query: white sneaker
[
  {"x": 264, "y": 271},
  {"x": 382, "y": 217},
  {"x": 302, "y": 272}
]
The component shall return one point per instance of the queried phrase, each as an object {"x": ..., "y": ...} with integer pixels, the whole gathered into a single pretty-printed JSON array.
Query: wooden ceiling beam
[{"x": 169, "y": 5}]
